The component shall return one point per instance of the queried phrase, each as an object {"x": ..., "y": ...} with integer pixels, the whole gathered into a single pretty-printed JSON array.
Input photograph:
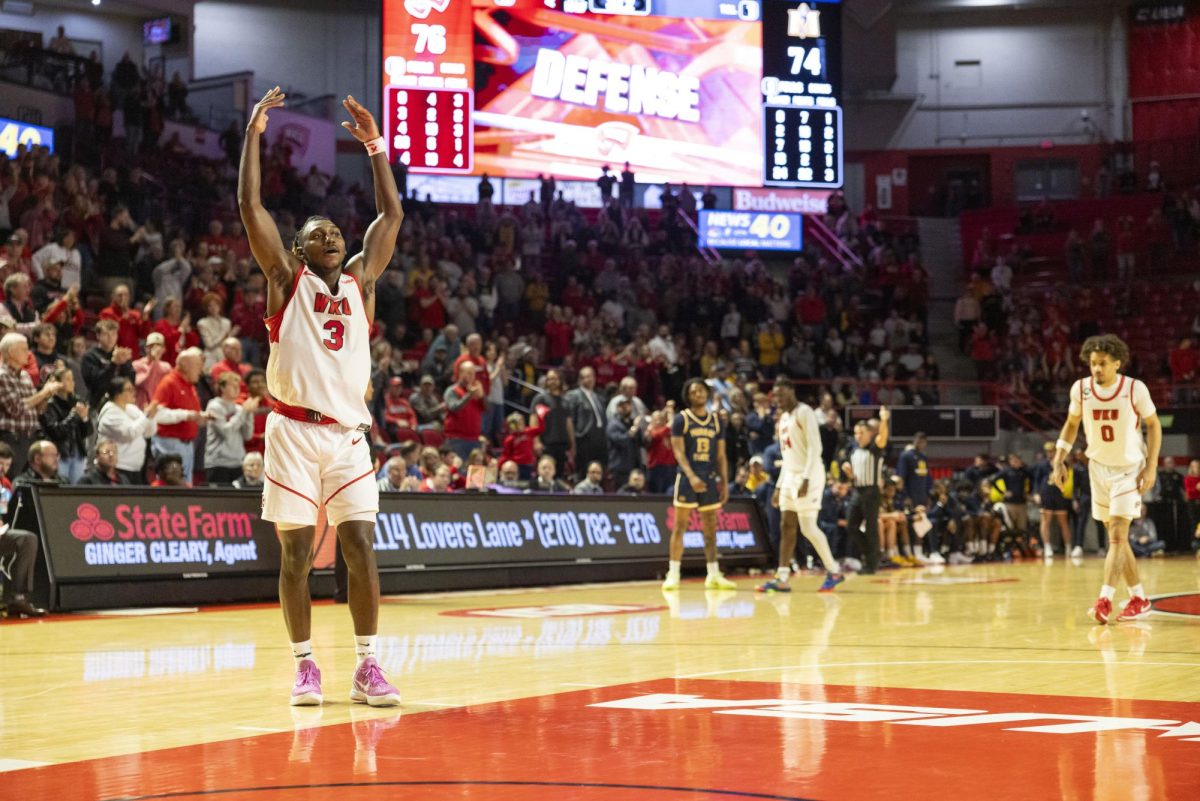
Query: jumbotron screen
[{"x": 680, "y": 89}]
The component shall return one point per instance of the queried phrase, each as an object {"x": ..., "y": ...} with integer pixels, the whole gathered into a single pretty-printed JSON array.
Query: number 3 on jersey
[{"x": 337, "y": 334}]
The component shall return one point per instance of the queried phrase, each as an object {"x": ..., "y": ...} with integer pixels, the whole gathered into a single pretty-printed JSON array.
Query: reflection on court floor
[{"x": 930, "y": 683}]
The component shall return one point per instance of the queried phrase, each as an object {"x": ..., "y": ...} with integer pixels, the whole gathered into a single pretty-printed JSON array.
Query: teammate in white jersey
[
  {"x": 1122, "y": 466},
  {"x": 319, "y": 313},
  {"x": 801, "y": 487}
]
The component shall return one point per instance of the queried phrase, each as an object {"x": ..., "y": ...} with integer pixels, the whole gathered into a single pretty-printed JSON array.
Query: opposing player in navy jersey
[
  {"x": 701, "y": 481},
  {"x": 318, "y": 452}
]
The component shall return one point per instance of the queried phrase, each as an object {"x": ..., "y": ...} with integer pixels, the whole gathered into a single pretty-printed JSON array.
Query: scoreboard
[
  {"x": 741, "y": 92},
  {"x": 802, "y": 89},
  {"x": 429, "y": 77}
]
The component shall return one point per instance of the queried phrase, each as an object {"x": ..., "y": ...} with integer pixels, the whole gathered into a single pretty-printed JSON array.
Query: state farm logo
[
  {"x": 90, "y": 525},
  {"x": 421, "y": 8}
]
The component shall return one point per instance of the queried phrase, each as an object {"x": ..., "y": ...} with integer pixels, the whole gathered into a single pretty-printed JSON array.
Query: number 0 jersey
[
  {"x": 700, "y": 438},
  {"x": 1112, "y": 419},
  {"x": 321, "y": 350}
]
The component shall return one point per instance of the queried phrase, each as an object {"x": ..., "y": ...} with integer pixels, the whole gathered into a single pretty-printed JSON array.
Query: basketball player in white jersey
[
  {"x": 801, "y": 487},
  {"x": 1122, "y": 467},
  {"x": 318, "y": 453}
]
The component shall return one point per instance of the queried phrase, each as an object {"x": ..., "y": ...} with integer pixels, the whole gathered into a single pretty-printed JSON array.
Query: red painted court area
[{"x": 693, "y": 739}]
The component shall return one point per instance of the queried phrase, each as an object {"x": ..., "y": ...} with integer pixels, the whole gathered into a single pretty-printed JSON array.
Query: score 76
[{"x": 429, "y": 37}]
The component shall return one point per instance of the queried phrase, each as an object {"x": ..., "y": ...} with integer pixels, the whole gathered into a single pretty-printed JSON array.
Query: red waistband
[{"x": 302, "y": 415}]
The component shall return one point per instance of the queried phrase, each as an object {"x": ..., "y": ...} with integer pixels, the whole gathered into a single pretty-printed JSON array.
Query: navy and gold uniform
[{"x": 700, "y": 437}]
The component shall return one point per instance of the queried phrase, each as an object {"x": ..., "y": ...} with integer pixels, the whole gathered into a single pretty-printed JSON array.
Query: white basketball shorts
[
  {"x": 309, "y": 465},
  {"x": 1114, "y": 491},
  {"x": 789, "y": 484}
]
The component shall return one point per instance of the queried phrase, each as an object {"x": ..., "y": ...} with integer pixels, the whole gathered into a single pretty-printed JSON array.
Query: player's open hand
[
  {"x": 258, "y": 117},
  {"x": 884, "y": 414},
  {"x": 364, "y": 128},
  {"x": 698, "y": 484}
]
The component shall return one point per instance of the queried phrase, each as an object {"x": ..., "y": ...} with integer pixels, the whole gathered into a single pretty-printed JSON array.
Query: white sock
[
  {"x": 1136, "y": 591},
  {"x": 782, "y": 574},
  {"x": 991, "y": 547},
  {"x": 364, "y": 647},
  {"x": 673, "y": 567},
  {"x": 1107, "y": 592},
  {"x": 713, "y": 569},
  {"x": 301, "y": 651}
]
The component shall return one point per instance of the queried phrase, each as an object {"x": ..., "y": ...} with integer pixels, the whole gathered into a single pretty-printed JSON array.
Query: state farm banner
[
  {"x": 419, "y": 531},
  {"x": 95, "y": 533},
  {"x": 103, "y": 534}
]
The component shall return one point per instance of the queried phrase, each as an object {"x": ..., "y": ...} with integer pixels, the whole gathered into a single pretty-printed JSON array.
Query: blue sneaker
[
  {"x": 774, "y": 585},
  {"x": 831, "y": 582}
]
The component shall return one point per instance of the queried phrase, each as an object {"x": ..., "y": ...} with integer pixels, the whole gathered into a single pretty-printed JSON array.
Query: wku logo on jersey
[
  {"x": 1106, "y": 414},
  {"x": 327, "y": 305}
]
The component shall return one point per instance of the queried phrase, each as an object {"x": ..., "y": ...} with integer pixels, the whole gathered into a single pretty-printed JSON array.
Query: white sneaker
[
  {"x": 1076, "y": 552},
  {"x": 718, "y": 582},
  {"x": 936, "y": 558},
  {"x": 671, "y": 582},
  {"x": 1049, "y": 556}
]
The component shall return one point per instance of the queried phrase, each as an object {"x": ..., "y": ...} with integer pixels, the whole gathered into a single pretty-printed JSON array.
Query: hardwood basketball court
[{"x": 983, "y": 680}]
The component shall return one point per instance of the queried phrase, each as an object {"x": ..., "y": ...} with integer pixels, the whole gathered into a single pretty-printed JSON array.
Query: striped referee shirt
[{"x": 867, "y": 464}]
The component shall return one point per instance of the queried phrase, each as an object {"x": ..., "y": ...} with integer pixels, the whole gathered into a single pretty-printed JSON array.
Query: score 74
[
  {"x": 430, "y": 38},
  {"x": 803, "y": 58}
]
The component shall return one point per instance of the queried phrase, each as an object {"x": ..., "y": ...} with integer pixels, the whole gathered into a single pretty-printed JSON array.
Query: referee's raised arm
[{"x": 881, "y": 439}]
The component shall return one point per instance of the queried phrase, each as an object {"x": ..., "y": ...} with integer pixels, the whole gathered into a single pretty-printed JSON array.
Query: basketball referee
[{"x": 865, "y": 469}]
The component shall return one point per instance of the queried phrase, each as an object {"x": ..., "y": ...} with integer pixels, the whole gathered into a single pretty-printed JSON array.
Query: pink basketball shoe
[
  {"x": 307, "y": 691},
  {"x": 370, "y": 687}
]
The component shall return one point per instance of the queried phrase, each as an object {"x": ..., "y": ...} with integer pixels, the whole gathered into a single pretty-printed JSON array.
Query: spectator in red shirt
[
  {"x": 231, "y": 348},
  {"x": 465, "y": 404},
  {"x": 176, "y": 331},
  {"x": 132, "y": 324},
  {"x": 983, "y": 352},
  {"x": 558, "y": 335},
  {"x": 215, "y": 239},
  {"x": 810, "y": 309},
  {"x": 256, "y": 387},
  {"x": 179, "y": 417},
  {"x": 474, "y": 354},
  {"x": 519, "y": 444},
  {"x": 1184, "y": 360},
  {"x": 1191, "y": 482},
  {"x": 396, "y": 413},
  {"x": 151, "y": 369},
  {"x": 660, "y": 457}
]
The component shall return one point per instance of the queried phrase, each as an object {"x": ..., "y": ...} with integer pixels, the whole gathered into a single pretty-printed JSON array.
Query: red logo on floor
[
  {"x": 804, "y": 741},
  {"x": 1184, "y": 604},
  {"x": 554, "y": 610}
]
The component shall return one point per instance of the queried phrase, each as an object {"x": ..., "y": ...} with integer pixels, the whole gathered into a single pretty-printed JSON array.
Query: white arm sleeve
[{"x": 812, "y": 435}]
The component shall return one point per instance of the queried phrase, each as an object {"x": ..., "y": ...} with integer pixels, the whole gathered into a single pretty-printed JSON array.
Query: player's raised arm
[
  {"x": 276, "y": 263},
  {"x": 379, "y": 243}
]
